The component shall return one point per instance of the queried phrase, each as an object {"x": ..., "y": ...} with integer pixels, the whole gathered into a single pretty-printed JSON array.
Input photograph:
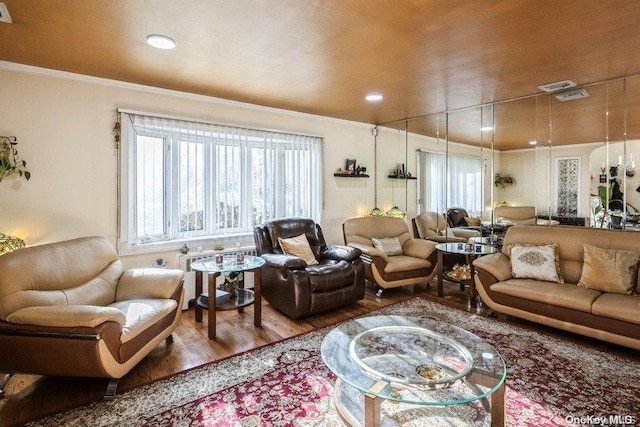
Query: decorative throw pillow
[
  {"x": 298, "y": 246},
  {"x": 540, "y": 262},
  {"x": 473, "y": 221},
  {"x": 388, "y": 245},
  {"x": 610, "y": 270}
]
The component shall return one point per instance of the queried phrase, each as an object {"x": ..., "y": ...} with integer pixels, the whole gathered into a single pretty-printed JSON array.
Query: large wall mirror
[{"x": 573, "y": 158}]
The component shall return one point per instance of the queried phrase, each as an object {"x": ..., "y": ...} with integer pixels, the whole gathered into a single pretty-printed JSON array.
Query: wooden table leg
[
  {"x": 497, "y": 407},
  {"x": 198, "y": 293},
  {"x": 473, "y": 296},
  {"x": 440, "y": 269},
  {"x": 211, "y": 310},
  {"x": 257, "y": 305}
]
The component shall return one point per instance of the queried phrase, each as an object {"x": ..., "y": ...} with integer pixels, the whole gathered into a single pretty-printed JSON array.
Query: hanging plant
[
  {"x": 503, "y": 180},
  {"x": 10, "y": 162}
]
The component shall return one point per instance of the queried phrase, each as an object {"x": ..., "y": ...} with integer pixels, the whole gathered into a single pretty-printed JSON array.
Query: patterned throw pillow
[
  {"x": 298, "y": 246},
  {"x": 539, "y": 262},
  {"x": 610, "y": 270},
  {"x": 389, "y": 245}
]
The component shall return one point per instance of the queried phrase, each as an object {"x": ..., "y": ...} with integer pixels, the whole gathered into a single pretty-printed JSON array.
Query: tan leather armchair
[
  {"x": 297, "y": 288},
  {"x": 433, "y": 226},
  {"x": 70, "y": 309},
  {"x": 520, "y": 215},
  {"x": 416, "y": 264}
]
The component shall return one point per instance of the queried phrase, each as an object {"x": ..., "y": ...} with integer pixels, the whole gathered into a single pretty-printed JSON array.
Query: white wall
[{"x": 64, "y": 123}]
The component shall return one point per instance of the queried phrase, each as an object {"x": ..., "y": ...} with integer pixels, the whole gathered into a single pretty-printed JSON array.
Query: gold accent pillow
[
  {"x": 298, "y": 246},
  {"x": 473, "y": 221},
  {"x": 539, "y": 262},
  {"x": 389, "y": 245},
  {"x": 610, "y": 270}
]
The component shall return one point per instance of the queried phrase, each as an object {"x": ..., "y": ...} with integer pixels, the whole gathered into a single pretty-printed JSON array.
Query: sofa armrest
[
  {"x": 283, "y": 261},
  {"x": 498, "y": 265},
  {"x": 419, "y": 248},
  {"x": 151, "y": 283},
  {"x": 340, "y": 253},
  {"x": 466, "y": 233},
  {"x": 67, "y": 316},
  {"x": 370, "y": 251}
]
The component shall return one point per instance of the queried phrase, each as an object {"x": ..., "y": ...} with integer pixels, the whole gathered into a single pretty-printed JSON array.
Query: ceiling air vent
[
  {"x": 4, "y": 14},
  {"x": 572, "y": 94},
  {"x": 553, "y": 87}
]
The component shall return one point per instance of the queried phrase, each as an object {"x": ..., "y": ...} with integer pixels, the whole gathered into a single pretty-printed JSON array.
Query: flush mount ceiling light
[
  {"x": 552, "y": 87},
  {"x": 486, "y": 128},
  {"x": 533, "y": 142},
  {"x": 161, "y": 42},
  {"x": 373, "y": 97}
]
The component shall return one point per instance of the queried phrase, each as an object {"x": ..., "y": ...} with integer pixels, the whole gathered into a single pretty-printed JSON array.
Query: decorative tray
[{"x": 411, "y": 357}]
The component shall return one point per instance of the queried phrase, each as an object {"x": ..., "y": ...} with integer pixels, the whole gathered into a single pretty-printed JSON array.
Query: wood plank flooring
[{"x": 29, "y": 397}]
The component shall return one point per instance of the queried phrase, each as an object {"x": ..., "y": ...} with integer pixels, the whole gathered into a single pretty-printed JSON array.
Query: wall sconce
[{"x": 10, "y": 243}]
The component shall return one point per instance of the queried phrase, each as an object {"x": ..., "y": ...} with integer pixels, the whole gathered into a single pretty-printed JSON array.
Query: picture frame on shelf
[{"x": 350, "y": 166}]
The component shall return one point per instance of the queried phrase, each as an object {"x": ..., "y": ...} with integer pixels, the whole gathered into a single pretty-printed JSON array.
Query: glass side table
[
  {"x": 243, "y": 297},
  {"x": 471, "y": 251}
]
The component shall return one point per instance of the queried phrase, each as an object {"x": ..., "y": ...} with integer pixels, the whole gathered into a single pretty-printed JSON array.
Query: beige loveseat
[
  {"x": 609, "y": 316},
  {"x": 414, "y": 264},
  {"x": 520, "y": 215},
  {"x": 70, "y": 309}
]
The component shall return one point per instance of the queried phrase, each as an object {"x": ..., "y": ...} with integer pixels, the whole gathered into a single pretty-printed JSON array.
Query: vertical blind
[
  {"x": 190, "y": 178},
  {"x": 449, "y": 181}
]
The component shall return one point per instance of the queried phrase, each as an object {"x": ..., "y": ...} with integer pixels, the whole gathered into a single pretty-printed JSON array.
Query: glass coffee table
[
  {"x": 243, "y": 296},
  {"x": 471, "y": 251},
  {"x": 392, "y": 369}
]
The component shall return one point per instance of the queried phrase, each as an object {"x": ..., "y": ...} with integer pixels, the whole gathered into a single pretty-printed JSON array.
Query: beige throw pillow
[
  {"x": 298, "y": 246},
  {"x": 610, "y": 270},
  {"x": 389, "y": 245},
  {"x": 539, "y": 262},
  {"x": 473, "y": 221}
]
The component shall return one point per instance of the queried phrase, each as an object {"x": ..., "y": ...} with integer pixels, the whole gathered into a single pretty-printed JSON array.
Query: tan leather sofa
[
  {"x": 520, "y": 215},
  {"x": 434, "y": 226},
  {"x": 70, "y": 309},
  {"x": 416, "y": 264},
  {"x": 607, "y": 316}
]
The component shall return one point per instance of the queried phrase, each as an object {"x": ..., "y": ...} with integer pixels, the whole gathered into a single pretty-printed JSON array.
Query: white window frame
[{"x": 127, "y": 243}]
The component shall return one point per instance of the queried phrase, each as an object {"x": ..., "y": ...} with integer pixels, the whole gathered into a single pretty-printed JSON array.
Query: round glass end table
[
  {"x": 243, "y": 297},
  {"x": 392, "y": 369},
  {"x": 471, "y": 251}
]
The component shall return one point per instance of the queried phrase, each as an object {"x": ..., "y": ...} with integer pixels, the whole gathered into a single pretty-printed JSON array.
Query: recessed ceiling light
[
  {"x": 487, "y": 128},
  {"x": 373, "y": 97},
  {"x": 533, "y": 142},
  {"x": 161, "y": 42}
]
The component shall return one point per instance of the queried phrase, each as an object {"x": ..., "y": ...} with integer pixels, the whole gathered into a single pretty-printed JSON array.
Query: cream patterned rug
[{"x": 550, "y": 382}]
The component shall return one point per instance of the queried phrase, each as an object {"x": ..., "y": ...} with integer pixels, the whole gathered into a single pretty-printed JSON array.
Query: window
[
  {"x": 456, "y": 184},
  {"x": 182, "y": 180}
]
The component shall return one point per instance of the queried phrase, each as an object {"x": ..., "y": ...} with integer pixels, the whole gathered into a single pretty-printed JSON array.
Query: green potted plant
[
  {"x": 10, "y": 162},
  {"x": 503, "y": 180}
]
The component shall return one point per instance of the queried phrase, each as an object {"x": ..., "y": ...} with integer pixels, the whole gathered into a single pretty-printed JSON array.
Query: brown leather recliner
[
  {"x": 70, "y": 309},
  {"x": 298, "y": 289}
]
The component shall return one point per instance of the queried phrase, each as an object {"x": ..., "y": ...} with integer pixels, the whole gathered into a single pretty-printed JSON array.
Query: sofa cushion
[
  {"x": 560, "y": 294},
  {"x": 539, "y": 262},
  {"x": 142, "y": 313},
  {"x": 298, "y": 246},
  {"x": 621, "y": 269},
  {"x": 616, "y": 306},
  {"x": 400, "y": 263},
  {"x": 388, "y": 245},
  {"x": 473, "y": 221}
]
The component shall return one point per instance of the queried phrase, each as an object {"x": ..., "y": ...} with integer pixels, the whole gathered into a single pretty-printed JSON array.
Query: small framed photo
[{"x": 351, "y": 165}]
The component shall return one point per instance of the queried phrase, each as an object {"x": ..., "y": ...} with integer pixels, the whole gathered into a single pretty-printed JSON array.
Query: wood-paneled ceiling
[{"x": 323, "y": 56}]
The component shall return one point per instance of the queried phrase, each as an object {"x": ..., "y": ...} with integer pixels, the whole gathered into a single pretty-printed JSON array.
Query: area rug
[{"x": 550, "y": 382}]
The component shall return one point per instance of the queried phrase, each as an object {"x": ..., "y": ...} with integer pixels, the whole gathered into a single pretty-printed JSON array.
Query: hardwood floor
[{"x": 29, "y": 397}]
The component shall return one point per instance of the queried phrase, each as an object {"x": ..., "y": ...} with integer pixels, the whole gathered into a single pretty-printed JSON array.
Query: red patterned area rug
[{"x": 550, "y": 382}]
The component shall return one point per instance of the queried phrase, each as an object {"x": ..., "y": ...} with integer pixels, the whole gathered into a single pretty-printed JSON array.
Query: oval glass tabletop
[{"x": 413, "y": 360}]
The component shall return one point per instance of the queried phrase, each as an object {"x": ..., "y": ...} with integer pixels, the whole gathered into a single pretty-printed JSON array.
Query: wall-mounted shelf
[
  {"x": 401, "y": 177},
  {"x": 345, "y": 175}
]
